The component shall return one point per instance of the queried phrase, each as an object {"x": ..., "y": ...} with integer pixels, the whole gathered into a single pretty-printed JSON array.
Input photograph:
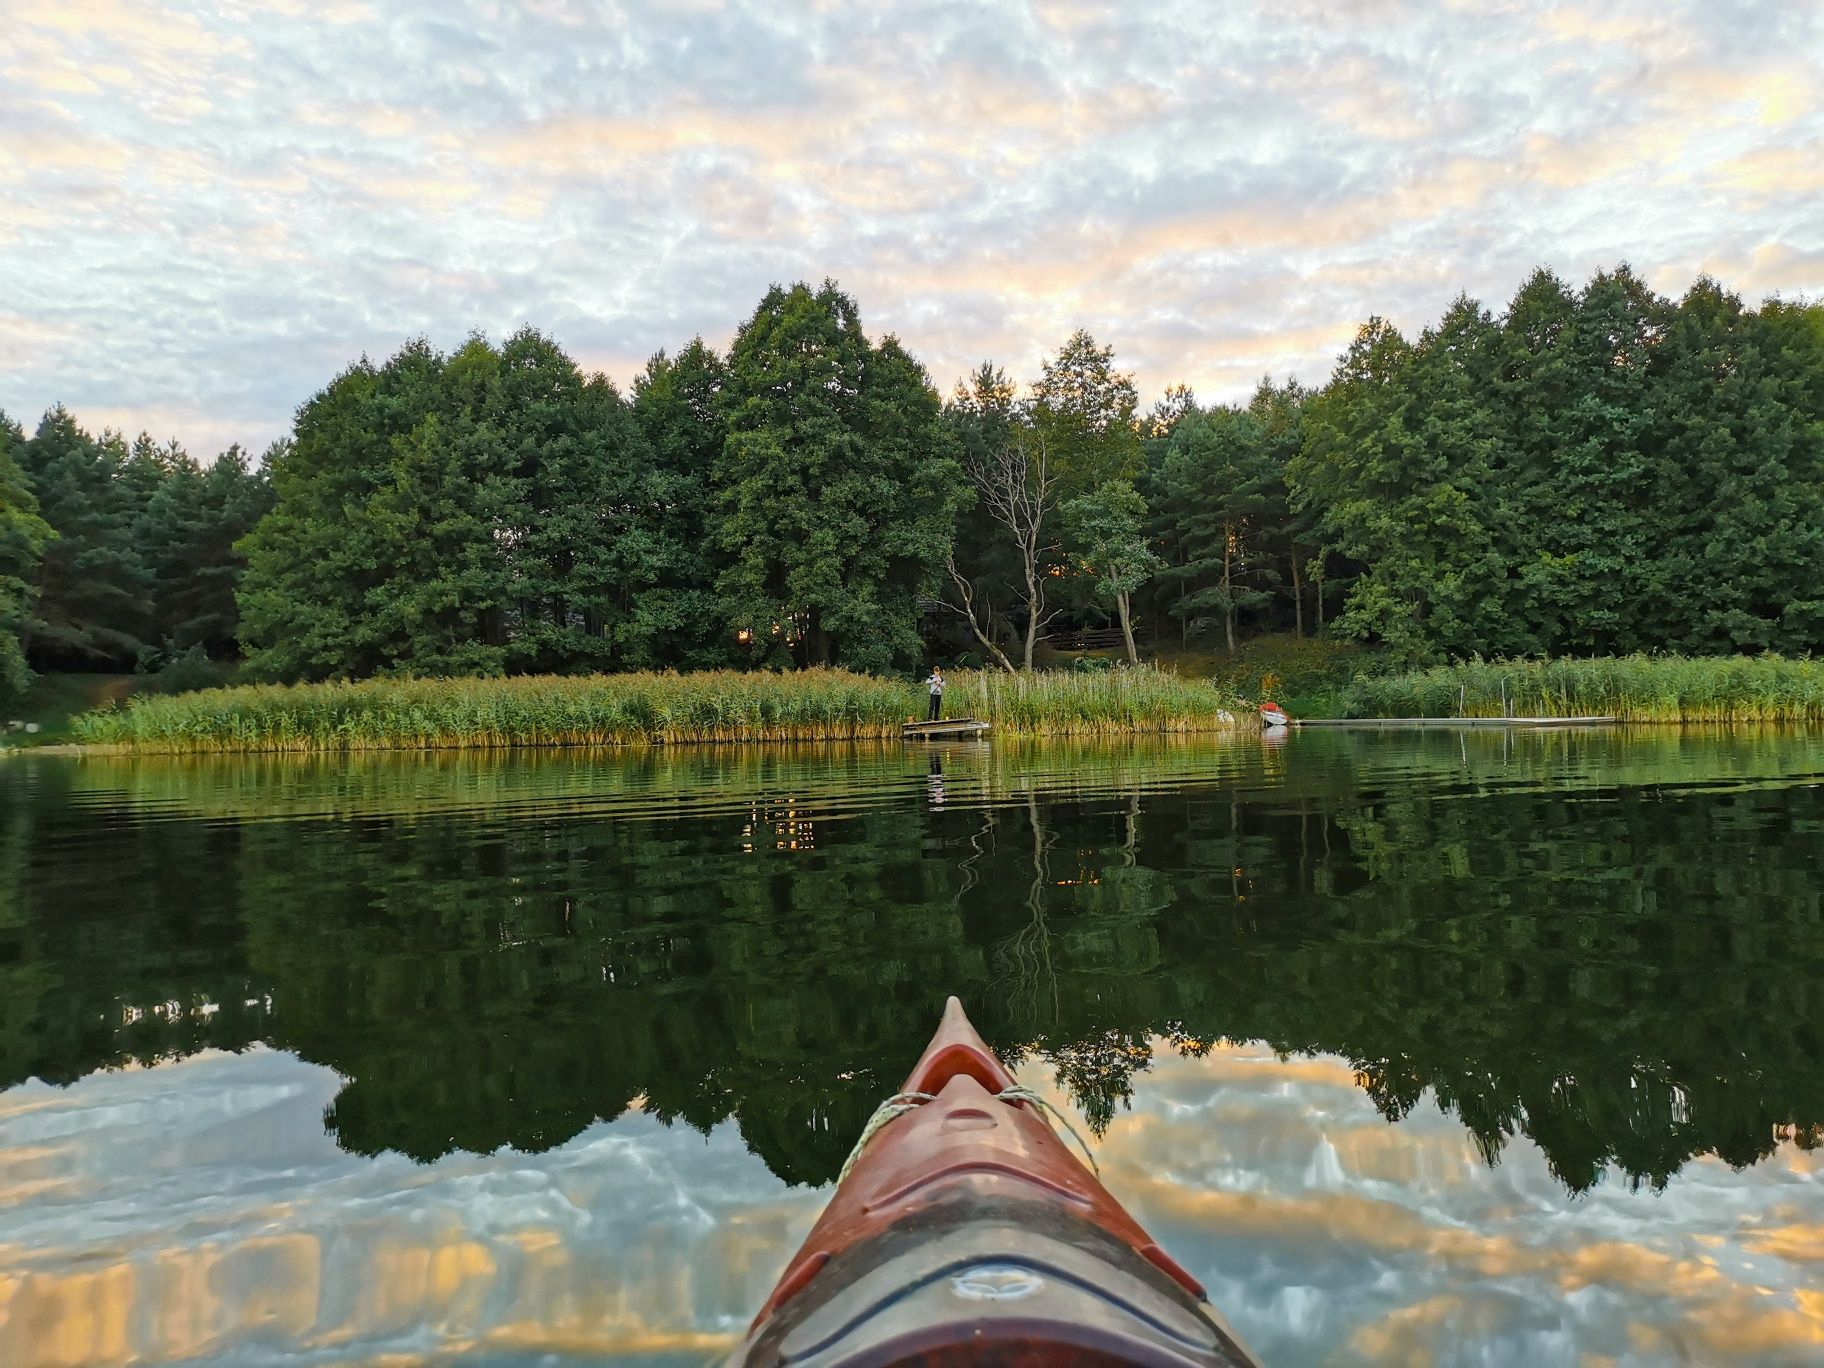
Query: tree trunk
[
  {"x": 1035, "y": 598},
  {"x": 1319, "y": 583},
  {"x": 1228, "y": 595},
  {"x": 1127, "y": 628},
  {"x": 1000, "y": 656},
  {"x": 1298, "y": 598},
  {"x": 1019, "y": 492},
  {"x": 966, "y": 591}
]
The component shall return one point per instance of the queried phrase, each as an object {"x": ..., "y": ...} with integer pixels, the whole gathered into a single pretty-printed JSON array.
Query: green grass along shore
[
  {"x": 1636, "y": 688},
  {"x": 645, "y": 709},
  {"x": 821, "y": 705}
]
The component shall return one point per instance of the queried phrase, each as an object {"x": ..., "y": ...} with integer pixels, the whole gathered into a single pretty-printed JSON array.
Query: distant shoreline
[
  {"x": 1630, "y": 689},
  {"x": 718, "y": 707}
]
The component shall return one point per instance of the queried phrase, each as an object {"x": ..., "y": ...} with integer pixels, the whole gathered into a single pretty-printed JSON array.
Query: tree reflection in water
[{"x": 1610, "y": 943}]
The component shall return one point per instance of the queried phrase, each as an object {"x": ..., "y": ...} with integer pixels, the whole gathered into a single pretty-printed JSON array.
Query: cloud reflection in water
[{"x": 198, "y": 1213}]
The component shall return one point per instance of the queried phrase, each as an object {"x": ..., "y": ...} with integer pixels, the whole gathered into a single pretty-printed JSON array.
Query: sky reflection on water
[
  {"x": 197, "y": 1212},
  {"x": 546, "y": 1057}
]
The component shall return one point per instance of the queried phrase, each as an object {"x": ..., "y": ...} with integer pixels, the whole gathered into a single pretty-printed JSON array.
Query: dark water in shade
[{"x": 1497, "y": 1049}]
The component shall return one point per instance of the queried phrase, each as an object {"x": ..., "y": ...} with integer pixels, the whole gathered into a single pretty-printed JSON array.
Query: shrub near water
[
  {"x": 1636, "y": 688},
  {"x": 382, "y": 714},
  {"x": 1306, "y": 674}
]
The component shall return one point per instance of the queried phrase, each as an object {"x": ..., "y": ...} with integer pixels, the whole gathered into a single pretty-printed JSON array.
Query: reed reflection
[{"x": 1607, "y": 943}]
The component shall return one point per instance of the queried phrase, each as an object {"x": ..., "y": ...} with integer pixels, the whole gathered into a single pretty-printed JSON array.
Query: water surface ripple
[{"x": 1488, "y": 1048}]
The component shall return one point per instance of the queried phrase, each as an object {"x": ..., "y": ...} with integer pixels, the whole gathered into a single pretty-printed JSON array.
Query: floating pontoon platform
[
  {"x": 1387, "y": 722},
  {"x": 950, "y": 729}
]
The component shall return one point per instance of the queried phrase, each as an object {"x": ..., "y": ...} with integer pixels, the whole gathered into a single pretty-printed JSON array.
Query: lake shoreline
[
  {"x": 649, "y": 709},
  {"x": 79, "y": 748},
  {"x": 1633, "y": 689}
]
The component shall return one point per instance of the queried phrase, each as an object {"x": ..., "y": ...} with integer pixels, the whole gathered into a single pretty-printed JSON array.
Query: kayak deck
[{"x": 964, "y": 1232}]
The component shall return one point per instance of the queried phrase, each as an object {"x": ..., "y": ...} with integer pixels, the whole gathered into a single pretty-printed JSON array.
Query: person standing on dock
[{"x": 936, "y": 685}]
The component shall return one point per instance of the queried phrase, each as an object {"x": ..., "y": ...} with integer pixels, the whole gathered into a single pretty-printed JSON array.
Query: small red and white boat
[
  {"x": 964, "y": 1232},
  {"x": 1272, "y": 715}
]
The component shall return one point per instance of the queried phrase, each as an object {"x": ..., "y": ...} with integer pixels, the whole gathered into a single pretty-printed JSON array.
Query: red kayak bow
[{"x": 965, "y": 1232}]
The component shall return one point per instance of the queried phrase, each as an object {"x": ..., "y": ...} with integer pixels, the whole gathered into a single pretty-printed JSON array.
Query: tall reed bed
[
  {"x": 1092, "y": 703},
  {"x": 1636, "y": 688},
  {"x": 596, "y": 710}
]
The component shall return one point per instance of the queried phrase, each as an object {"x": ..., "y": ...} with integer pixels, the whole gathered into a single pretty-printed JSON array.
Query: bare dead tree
[
  {"x": 981, "y": 621},
  {"x": 1020, "y": 493}
]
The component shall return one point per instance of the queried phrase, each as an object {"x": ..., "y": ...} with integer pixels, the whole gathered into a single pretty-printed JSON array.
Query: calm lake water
[{"x": 1492, "y": 1049}]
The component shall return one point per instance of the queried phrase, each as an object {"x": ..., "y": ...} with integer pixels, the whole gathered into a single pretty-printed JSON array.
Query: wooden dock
[
  {"x": 950, "y": 729},
  {"x": 1381, "y": 723}
]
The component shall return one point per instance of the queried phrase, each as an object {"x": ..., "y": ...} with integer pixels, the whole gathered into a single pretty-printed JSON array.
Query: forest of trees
[
  {"x": 1591, "y": 471},
  {"x": 115, "y": 554}
]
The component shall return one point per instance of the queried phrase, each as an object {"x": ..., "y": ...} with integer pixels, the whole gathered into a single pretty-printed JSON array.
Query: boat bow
[{"x": 966, "y": 1232}]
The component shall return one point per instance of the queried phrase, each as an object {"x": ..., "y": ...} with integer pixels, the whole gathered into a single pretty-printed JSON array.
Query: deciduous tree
[
  {"x": 836, "y": 490},
  {"x": 1108, "y": 528},
  {"x": 1019, "y": 492},
  {"x": 673, "y": 616}
]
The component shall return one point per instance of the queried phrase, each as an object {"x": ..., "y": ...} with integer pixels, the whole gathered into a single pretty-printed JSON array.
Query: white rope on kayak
[
  {"x": 897, "y": 1105},
  {"x": 1018, "y": 1094},
  {"x": 901, "y": 1103}
]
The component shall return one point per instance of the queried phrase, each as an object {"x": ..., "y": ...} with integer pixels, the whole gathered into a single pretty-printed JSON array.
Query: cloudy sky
[{"x": 208, "y": 210}]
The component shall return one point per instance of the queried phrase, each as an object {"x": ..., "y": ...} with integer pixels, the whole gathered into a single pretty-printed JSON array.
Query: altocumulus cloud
[{"x": 206, "y": 210}]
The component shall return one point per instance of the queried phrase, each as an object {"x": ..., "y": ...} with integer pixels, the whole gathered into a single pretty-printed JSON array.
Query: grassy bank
[
  {"x": 1637, "y": 688},
  {"x": 596, "y": 710}
]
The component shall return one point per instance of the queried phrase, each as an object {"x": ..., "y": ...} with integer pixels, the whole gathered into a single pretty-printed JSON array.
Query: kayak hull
[{"x": 966, "y": 1232}]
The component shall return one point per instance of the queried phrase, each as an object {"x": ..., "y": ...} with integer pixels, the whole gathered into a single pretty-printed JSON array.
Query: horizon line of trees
[{"x": 1591, "y": 471}]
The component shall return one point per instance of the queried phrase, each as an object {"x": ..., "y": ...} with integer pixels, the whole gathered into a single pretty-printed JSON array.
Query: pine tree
[
  {"x": 93, "y": 586},
  {"x": 23, "y": 537},
  {"x": 186, "y": 532},
  {"x": 201, "y": 610},
  {"x": 916, "y": 490},
  {"x": 1169, "y": 410},
  {"x": 1789, "y": 409},
  {"x": 1290, "y": 534},
  {"x": 1220, "y": 483},
  {"x": 1083, "y": 410},
  {"x": 1453, "y": 506}
]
